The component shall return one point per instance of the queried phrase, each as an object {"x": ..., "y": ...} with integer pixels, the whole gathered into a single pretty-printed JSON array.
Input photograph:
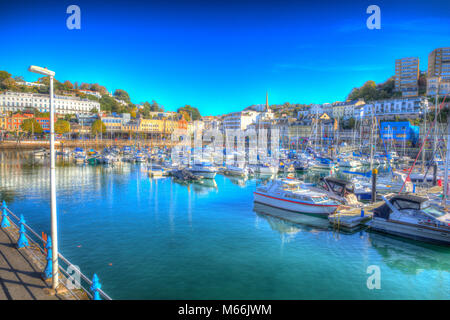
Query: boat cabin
[
  {"x": 339, "y": 187},
  {"x": 401, "y": 202}
]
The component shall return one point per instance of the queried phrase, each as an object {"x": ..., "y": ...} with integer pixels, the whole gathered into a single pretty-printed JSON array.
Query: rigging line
[{"x": 423, "y": 144}]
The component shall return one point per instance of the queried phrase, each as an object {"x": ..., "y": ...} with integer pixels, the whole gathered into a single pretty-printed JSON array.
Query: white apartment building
[
  {"x": 402, "y": 107},
  {"x": 239, "y": 120},
  {"x": 92, "y": 93},
  {"x": 20, "y": 101},
  {"x": 432, "y": 84},
  {"x": 31, "y": 84}
]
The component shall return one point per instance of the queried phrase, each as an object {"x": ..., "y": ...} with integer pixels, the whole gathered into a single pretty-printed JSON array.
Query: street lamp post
[{"x": 54, "y": 225}]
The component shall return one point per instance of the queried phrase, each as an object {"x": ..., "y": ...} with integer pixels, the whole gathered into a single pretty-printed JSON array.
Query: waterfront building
[
  {"x": 407, "y": 76},
  {"x": 438, "y": 79},
  {"x": 410, "y": 108},
  {"x": 433, "y": 83},
  {"x": 211, "y": 123},
  {"x": 358, "y": 112},
  {"x": 13, "y": 123},
  {"x": 304, "y": 111},
  {"x": 114, "y": 122},
  {"x": 399, "y": 131},
  {"x": 150, "y": 126},
  {"x": 239, "y": 120},
  {"x": 327, "y": 108},
  {"x": 45, "y": 123},
  {"x": 86, "y": 119},
  {"x": 345, "y": 109},
  {"x": 22, "y": 101}
]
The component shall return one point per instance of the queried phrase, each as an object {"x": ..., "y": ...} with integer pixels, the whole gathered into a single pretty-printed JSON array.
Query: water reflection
[
  {"x": 303, "y": 222},
  {"x": 408, "y": 256}
]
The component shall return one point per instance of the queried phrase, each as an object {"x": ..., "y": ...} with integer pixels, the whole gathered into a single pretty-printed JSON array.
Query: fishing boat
[
  {"x": 288, "y": 194},
  {"x": 203, "y": 169},
  {"x": 412, "y": 217}
]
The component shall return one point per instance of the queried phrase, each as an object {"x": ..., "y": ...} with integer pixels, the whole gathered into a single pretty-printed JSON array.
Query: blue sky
[{"x": 221, "y": 56}]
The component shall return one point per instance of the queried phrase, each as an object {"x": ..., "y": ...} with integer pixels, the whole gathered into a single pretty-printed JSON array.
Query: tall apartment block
[
  {"x": 407, "y": 76},
  {"x": 438, "y": 71}
]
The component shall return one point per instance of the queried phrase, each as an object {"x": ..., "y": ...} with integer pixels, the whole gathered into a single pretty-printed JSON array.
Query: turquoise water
[{"x": 156, "y": 239}]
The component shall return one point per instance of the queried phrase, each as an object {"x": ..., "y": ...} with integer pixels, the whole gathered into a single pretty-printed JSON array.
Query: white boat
[
  {"x": 155, "y": 170},
  {"x": 323, "y": 164},
  {"x": 412, "y": 217},
  {"x": 140, "y": 157},
  {"x": 265, "y": 169},
  {"x": 203, "y": 169},
  {"x": 79, "y": 155},
  {"x": 349, "y": 163},
  {"x": 237, "y": 169},
  {"x": 287, "y": 194},
  {"x": 41, "y": 153}
]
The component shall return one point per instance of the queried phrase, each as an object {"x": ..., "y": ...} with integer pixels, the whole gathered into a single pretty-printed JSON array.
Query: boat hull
[
  {"x": 204, "y": 174},
  {"x": 411, "y": 231},
  {"x": 295, "y": 206}
]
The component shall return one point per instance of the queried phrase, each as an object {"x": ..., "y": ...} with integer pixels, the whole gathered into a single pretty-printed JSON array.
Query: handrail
[{"x": 62, "y": 258}]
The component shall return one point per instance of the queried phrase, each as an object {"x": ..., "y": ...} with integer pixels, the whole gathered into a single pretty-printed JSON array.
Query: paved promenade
[{"x": 19, "y": 277}]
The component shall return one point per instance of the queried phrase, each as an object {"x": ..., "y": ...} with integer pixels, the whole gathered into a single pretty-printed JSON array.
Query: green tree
[
  {"x": 62, "y": 126},
  {"x": 108, "y": 104},
  {"x": 98, "y": 88},
  {"x": 31, "y": 126},
  {"x": 84, "y": 86},
  {"x": 98, "y": 127},
  {"x": 4, "y": 75},
  {"x": 68, "y": 85},
  {"x": 192, "y": 112},
  {"x": 122, "y": 95}
]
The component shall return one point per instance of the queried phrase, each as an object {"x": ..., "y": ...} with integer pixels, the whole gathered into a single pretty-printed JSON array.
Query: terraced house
[{"x": 22, "y": 101}]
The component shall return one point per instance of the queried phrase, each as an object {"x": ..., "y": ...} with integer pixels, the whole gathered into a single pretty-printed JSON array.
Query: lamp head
[{"x": 40, "y": 70}]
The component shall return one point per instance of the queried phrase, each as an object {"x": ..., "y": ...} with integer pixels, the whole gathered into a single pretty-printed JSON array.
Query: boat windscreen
[
  {"x": 435, "y": 212},
  {"x": 401, "y": 204}
]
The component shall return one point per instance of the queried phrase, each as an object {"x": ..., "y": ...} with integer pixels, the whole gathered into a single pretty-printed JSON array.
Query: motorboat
[
  {"x": 338, "y": 189},
  {"x": 266, "y": 169},
  {"x": 155, "y": 170},
  {"x": 203, "y": 169},
  {"x": 412, "y": 216},
  {"x": 349, "y": 163},
  {"x": 79, "y": 155},
  {"x": 237, "y": 169},
  {"x": 140, "y": 157},
  {"x": 288, "y": 194},
  {"x": 41, "y": 153},
  {"x": 323, "y": 164},
  {"x": 301, "y": 165}
]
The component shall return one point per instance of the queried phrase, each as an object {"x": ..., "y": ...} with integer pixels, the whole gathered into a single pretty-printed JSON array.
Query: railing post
[
  {"x": 5, "y": 220},
  {"x": 49, "y": 267},
  {"x": 95, "y": 287},
  {"x": 23, "y": 241}
]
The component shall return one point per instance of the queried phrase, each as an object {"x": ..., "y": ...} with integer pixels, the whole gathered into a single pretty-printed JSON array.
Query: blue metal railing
[{"x": 92, "y": 290}]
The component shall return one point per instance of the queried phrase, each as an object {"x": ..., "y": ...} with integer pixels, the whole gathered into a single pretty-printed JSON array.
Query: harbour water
[{"x": 158, "y": 239}]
